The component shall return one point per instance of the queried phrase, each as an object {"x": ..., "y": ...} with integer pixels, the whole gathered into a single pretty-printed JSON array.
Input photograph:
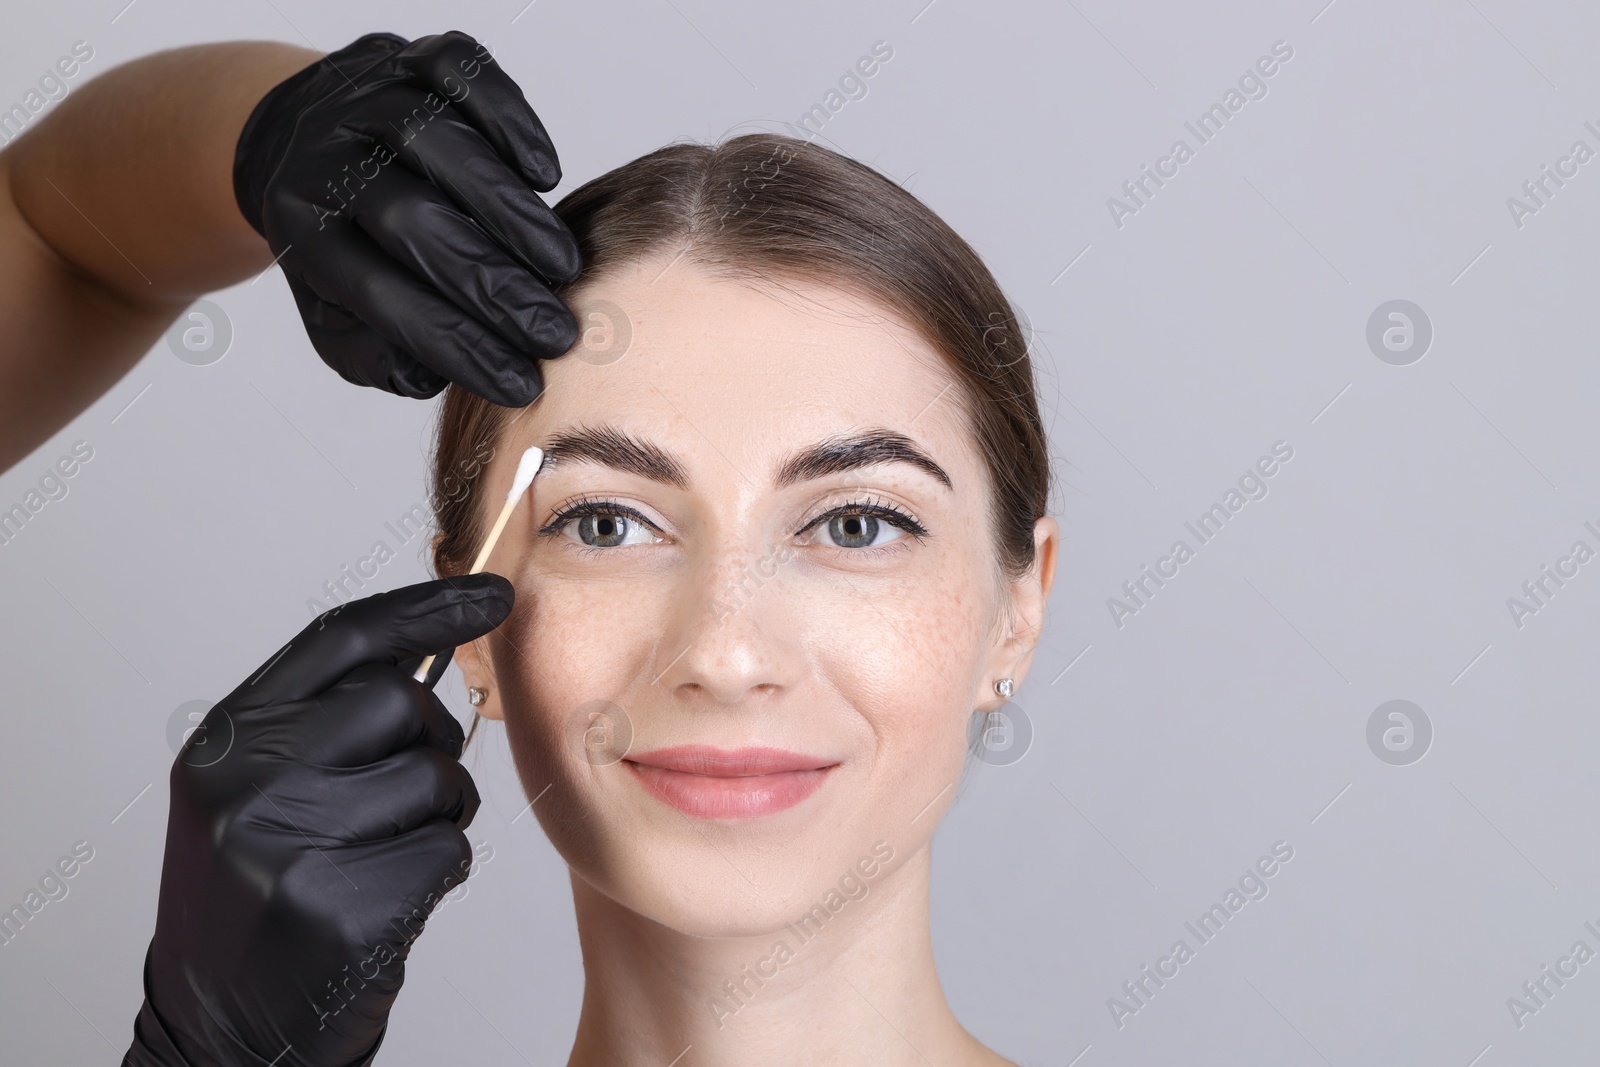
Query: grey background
[{"x": 1169, "y": 754}]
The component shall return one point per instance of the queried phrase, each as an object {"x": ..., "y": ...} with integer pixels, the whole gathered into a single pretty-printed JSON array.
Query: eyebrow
[
  {"x": 847, "y": 452},
  {"x": 611, "y": 447}
]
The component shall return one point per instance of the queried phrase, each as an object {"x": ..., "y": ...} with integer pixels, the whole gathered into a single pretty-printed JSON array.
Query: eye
[
  {"x": 857, "y": 526},
  {"x": 601, "y": 525}
]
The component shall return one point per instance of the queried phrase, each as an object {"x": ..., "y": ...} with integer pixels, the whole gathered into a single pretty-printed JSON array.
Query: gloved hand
[
  {"x": 316, "y": 819},
  {"x": 397, "y": 182}
]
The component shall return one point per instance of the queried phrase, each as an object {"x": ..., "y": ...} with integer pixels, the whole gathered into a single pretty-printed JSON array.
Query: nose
[{"x": 733, "y": 635}]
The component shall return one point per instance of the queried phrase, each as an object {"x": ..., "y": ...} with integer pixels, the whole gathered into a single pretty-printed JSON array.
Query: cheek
[
  {"x": 573, "y": 648},
  {"x": 568, "y": 654},
  {"x": 902, "y": 651}
]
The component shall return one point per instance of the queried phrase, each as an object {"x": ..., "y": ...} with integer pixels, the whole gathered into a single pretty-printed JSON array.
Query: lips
[{"x": 715, "y": 783}]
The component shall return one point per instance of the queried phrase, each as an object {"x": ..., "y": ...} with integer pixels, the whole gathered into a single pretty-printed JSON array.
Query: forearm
[
  {"x": 116, "y": 210},
  {"x": 145, "y": 154}
]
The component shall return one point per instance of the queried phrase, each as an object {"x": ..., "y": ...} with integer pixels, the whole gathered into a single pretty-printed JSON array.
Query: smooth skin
[
  {"x": 872, "y": 656},
  {"x": 116, "y": 211}
]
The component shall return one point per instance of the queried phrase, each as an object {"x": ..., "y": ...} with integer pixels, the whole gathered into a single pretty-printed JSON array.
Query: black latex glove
[
  {"x": 316, "y": 820},
  {"x": 397, "y": 182}
]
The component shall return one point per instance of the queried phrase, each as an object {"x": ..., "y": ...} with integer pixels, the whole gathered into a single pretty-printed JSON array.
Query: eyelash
[
  {"x": 878, "y": 509},
  {"x": 586, "y": 506}
]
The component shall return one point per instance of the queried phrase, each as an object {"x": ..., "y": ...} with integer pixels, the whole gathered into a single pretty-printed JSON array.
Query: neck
[{"x": 862, "y": 988}]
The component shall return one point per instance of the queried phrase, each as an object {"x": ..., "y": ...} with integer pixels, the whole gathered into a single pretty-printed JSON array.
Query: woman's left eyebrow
[{"x": 847, "y": 452}]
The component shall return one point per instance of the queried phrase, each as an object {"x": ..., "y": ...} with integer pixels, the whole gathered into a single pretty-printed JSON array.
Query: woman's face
[{"x": 757, "y": 596}]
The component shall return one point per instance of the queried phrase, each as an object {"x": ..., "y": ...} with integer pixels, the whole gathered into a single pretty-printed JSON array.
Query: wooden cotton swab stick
[{"x": 527, "y": 467}]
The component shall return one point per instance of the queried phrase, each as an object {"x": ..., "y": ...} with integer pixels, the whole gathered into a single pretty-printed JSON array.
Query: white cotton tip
[{"x": 527, "y": 467}]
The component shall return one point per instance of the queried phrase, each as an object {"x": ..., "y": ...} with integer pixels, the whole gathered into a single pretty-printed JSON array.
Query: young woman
[{"x": 789, "y": 540}]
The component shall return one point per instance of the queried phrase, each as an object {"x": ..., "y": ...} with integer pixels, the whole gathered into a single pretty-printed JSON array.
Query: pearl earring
[
  {"x": 1005, "y": 687},
  {"x": 476, "y": 695}
]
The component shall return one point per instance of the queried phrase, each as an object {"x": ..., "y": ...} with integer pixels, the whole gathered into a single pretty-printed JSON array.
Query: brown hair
[{"x": 765, "y": 205}]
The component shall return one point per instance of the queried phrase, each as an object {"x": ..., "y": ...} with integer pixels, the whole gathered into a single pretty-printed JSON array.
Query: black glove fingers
[
  {"x": 408, "y": 320},
  {"x": 322, "y": 835},
  {"x": 391, "y": 797},
  {"x": 413, "y": 316},
  {"x": 269, "y": 133},
  {"x": 439, "y": 144},
  {"x": 370, "y": 714},
  {"x": 359, "y": 355},
  {"x": 456, "y": 66},
  {"x": 422, "y": 229},
  {"x": 391, "y": 628},
  {"x": 415, "y": 870}
]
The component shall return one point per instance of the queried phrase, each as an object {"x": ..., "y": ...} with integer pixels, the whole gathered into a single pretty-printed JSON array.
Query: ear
[
  {"x": 477, "y": 668},
  {"x": 1022, "y": 618}
]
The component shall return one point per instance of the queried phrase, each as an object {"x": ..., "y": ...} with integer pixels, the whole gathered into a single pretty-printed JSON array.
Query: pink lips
[{"x": 715, "y": 783}]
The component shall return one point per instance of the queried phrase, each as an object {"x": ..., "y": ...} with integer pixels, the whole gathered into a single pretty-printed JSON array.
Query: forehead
[{"x": 752, "y": 368}]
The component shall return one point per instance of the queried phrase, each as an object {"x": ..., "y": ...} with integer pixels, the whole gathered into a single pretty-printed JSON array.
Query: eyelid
[
  {"x": 585, "y": 505},
  {"x": 878, "y": 509}
]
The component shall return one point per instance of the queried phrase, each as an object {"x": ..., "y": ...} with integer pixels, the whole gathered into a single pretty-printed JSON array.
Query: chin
[{"x": 679, "y": 892}]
